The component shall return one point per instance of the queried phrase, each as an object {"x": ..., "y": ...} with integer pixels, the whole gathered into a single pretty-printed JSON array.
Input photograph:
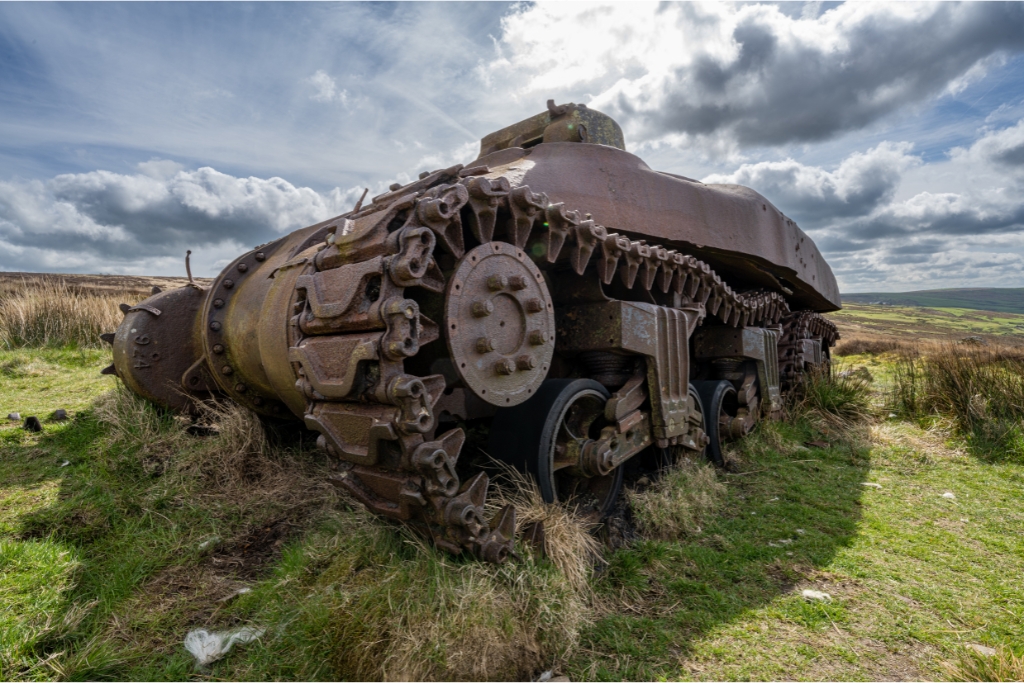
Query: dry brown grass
[
  {"x": 1004, "y": 665},
  {"x": 237, "y": 464},
  {"x": 52, "y": 313},
  {"x": 872, "y": 346},
  {"x": 674, "y": 505}
]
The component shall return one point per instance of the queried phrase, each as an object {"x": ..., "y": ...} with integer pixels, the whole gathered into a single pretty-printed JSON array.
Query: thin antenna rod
[
  {"x": 188, "y": 268},
  {"x": 359, "y": 204}
]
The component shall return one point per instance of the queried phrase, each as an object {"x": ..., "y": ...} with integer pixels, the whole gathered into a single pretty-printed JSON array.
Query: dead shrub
[
  {"x": 676, "y": 503},
  {"x": 871, "y": 346}
]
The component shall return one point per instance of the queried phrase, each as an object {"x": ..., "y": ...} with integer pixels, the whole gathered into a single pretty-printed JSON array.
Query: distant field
[
  {"x": 1003, "y": 299},
  {"x": 12, "y": 282},
  {"x": 910, "y": 323}
]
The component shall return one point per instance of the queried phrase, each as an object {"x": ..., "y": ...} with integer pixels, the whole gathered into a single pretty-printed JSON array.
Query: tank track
[
  {"x": 795, "y": 355},
  {"x": 373, "y": 416}
]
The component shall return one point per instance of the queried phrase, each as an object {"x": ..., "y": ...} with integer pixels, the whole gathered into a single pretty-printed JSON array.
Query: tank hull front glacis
[{"x": 555, "y": 304}]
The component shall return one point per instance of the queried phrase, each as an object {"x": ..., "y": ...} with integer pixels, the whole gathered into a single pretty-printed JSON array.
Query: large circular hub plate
[{"x": 500, "y": 323}]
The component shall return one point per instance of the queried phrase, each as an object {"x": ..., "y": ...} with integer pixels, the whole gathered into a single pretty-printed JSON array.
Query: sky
[{"x": 893, "y": 133}]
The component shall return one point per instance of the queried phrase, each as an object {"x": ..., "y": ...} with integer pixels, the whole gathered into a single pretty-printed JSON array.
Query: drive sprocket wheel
[{"x": 500, "y": 323}]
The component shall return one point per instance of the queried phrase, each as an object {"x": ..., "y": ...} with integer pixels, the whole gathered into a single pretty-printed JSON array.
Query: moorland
[{"x": 895, "y": 490}]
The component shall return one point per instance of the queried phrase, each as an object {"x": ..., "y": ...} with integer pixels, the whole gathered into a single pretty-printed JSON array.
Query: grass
[
  {"x": 51, "y": 313},
  {"x": 980, "y": 389},
  {"x": 915, "y": 324},
  {"x": 147, "y": 533},
  {"x": 1005, "y": 299}
]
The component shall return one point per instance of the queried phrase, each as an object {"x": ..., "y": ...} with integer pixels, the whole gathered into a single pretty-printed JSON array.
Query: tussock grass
[
  {"x": 50, "y": 313},
  {"x": 839, "y": 399},
  {"x": 980, "y": 390},
  {"x": 674, "y": 506},
  {"x": 1002, "y": 666}
]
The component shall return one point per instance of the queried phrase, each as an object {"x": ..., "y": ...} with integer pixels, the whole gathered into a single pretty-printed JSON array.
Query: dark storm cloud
[{"x": 783, "y": 85}]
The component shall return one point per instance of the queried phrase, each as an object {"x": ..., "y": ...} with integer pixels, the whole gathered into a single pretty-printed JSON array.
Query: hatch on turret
[{"x": 560, "y": 123}]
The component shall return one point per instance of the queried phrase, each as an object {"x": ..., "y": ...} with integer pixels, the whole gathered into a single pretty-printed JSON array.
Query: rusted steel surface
[{"x": 559, "y": 295}]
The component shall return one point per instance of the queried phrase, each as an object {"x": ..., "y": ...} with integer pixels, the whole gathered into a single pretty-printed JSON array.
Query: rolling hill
[{"x": 1001, "y": 299}]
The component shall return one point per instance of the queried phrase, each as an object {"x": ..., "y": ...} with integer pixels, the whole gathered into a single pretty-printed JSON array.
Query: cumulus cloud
[
  {"x": 928, "y": 239},
  {"x": 327, "y": 89},
  {"x": 109, "y": 221},
  {"x": 861, "y": 182},
  {"x": 749, "y": 74}
]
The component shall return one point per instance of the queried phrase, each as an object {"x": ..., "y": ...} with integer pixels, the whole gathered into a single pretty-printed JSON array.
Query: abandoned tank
[{"x": 556, "y": 293}]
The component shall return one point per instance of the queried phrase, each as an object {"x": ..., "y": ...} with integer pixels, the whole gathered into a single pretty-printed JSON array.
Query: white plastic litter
[
  {"x": 208, "y": 647},
  {"x": 816, "y": 595},
  {"x": 546, "y": 676},
  {"x": 232, "y": 596},
  {"x": 949, "y": 494},
  {"x": 871, "y": 484},
  {"x": 65, "y": 463},
  {"x": 16, "y": 417},
  {"x": 208, "y": 542},
  {"x": 892, "y": 414},
  {"x": 801, "y": 532}
]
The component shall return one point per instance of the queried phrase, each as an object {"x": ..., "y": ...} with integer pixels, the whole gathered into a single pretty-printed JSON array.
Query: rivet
[
  {"x": 217, "y": 303},
  {"x": 496, "y": 283},
  {"x": 482, "y": 308},
  {"x": 537, "y": 338},
  {"x": 260, "y": 256},
  {"x": 218, "y": 348},
  {"x": 240, "y": 388},
  {"x": 534, "y": 306},
  {"x": 226, "y": 370},
  {"x": 257, "y": 401},
  {"x": 228, "y": 284},
  {"x": 505, "y": 366},
  {"x": 484, "y": 345},
  {"x": 215, "y": 326},
  {"x": 517, "y": 282},
  {"x": 242, "y": 267},
  {"x": 525, "y": 362}
]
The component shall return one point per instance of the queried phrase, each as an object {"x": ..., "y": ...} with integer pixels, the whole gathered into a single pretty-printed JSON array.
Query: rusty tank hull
[{"x": 556, "y": 293}]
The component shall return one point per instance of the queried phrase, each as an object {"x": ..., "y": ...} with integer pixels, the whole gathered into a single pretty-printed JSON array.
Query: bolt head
[
  {"x": 526, "y": 362},
  {"x": 497, "y": 282},
  {"x": 505, "y": 366},
  {"x": 240, "y": 388},
  {"x": 215, "y": 326},
  {"x": 537, "y": 338},
  {"x": 242, "y": 267},
  {"x": 257, "y": 401},
  {"x": 517, "y": 282},
  {"x": 218, "y": 348},
  {"x": 534, "y": 305},
  {"x": 484, "y": 345},
  {"x": 260, "y": 256},
  {"x": 226, "y": 370},
  {"x": 482, "y": 308},
  {"x": 228, "y": 284},
  {"x": 217, "y": 303}
]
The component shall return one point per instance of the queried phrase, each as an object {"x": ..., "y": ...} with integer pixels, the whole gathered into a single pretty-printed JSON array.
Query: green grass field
[
  {"x": 119, "y": 533},
  {"x": 919, "y": 323},
  {"x": 1004, "y": 299}
]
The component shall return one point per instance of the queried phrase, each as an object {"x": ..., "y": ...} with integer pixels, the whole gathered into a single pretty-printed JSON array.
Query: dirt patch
[{"x": 249, "y": 556}]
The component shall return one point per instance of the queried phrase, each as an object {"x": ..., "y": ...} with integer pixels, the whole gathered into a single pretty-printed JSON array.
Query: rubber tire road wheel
[
  {"x": 718, "y": 398},
  {"x": 525, "y": 437}
]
